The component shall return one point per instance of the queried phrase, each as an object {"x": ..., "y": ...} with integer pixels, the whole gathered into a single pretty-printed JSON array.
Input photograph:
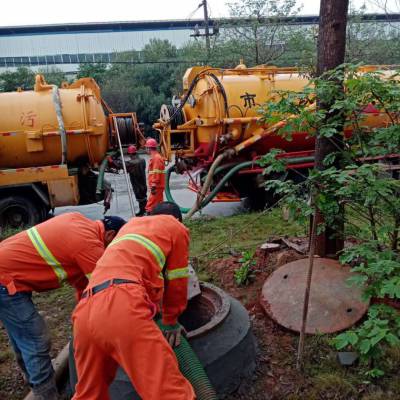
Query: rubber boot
[
  {"x": 46, "y": 390},
  {"x": 142, "y": 207}
]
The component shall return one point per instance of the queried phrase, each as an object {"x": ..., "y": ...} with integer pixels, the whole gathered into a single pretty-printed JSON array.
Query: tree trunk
[{"x": 331, "y": 54}]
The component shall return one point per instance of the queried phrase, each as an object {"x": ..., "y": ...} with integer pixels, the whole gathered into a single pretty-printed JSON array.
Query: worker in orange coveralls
[
  {"x": 62, "y": 249},
  {"x": 147, "y": 263},
  {"x": 156, "y": 178}
]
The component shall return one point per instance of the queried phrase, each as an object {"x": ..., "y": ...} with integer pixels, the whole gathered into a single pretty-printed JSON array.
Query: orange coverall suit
[
  {"x": 156, "y": 180},
  {"x": 115, "y": 326},
  {"x": 62, "y": 249}
]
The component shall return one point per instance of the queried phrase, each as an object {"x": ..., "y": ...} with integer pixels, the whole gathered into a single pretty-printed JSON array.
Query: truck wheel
[
  {"x": 17, "y": 212},
  {"x": 260, "y": 199}
]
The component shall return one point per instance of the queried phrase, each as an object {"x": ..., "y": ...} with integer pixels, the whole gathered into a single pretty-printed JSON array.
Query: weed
[{"x": 245, "y": 273}]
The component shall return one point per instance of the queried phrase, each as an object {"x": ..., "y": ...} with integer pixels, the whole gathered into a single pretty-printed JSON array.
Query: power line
[{"x": 194, "y": 11}]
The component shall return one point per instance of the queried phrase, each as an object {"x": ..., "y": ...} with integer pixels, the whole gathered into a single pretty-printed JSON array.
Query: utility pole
[
  {"x": 331, "y": 54},
  {"x": 206, "y": 30}
]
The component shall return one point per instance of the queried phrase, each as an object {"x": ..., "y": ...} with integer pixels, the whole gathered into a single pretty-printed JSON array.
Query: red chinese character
[{"x": 28, "y": 119}]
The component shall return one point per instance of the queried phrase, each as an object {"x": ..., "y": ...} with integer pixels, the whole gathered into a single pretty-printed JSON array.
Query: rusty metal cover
[{"x": 334, "y": 305}]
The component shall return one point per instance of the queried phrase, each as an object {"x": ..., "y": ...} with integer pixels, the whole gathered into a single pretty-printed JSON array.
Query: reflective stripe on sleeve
[
  {"x": 46, "y": 254},
  {"x": 177, "y": 273},
  {"x": 157, "y": 171},
  {"x": 147, "y": 243}
]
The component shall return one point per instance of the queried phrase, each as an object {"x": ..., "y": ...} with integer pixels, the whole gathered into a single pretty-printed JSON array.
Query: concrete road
[{"x": 120, "y": 204}]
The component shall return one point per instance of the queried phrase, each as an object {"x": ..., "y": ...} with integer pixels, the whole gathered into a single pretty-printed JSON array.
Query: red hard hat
[
  {"x": 132, "y": 149},
  {"x": 152, "y": 143}
]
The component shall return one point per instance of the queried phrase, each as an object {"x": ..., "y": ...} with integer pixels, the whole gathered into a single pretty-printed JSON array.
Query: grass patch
[
  {"x": 331, "y": 386},
  {"x": 7, "y": 232},
  {"x": 239, "y": 232},
  {"x": 215, "y": 238}
]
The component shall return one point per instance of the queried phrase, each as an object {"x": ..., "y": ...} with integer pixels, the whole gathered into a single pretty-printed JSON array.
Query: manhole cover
[{"x": 334, "y": 305}]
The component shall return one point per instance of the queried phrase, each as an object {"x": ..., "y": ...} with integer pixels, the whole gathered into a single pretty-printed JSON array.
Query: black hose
[{"x": 190, "y": 90}]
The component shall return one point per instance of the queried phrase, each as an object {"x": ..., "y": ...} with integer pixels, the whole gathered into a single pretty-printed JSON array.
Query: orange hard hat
[
  {"x": 151, "y": 143},
  {"x": 132, "y": 149}
]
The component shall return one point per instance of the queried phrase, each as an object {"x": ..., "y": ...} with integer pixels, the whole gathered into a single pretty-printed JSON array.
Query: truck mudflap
[{"x": 63, "y": 192}]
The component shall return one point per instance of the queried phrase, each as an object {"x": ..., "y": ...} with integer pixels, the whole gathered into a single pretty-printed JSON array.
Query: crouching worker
[
  {"x": 113, "y": 323},
  {"x": 62, "y": 249}
]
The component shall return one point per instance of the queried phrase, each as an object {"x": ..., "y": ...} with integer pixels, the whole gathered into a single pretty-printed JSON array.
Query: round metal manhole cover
[{"x": 334, "y": 305}]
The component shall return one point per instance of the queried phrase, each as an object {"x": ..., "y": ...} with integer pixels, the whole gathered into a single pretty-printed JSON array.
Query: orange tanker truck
[
  {"x": 216, "y": 134},
  {"x": 53, "y": 148}
]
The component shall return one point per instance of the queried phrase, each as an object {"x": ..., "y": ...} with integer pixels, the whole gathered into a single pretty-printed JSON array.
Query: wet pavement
[{"x": 120, "y": 203}]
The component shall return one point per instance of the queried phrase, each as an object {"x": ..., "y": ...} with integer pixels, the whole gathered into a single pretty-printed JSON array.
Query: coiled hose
[{"x": 192, "y": 370}]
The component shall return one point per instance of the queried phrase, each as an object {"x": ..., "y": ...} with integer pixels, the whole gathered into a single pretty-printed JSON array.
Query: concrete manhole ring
[{"x": 205, "y": 312}]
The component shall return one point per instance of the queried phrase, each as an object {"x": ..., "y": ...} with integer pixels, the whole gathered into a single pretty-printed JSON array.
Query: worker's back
[
  {"x": 137, "y": 170},
  {"x": 63, "y": 248},
  {"x": 143, "y": 248},
  {"x": 156, "y": 170}
]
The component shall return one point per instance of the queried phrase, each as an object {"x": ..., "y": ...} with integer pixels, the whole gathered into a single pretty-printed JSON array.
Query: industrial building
[{"x": 67, "y": 45}]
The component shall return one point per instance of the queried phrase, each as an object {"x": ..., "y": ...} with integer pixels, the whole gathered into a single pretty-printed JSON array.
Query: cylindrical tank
[
  {"x": 222, "y": 109},
  {"x": 31, "y": 132}
]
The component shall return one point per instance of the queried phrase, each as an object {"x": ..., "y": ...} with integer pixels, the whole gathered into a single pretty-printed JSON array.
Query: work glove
[
  {"x": 173, "y": 333},
  {"x": 153, "y": 190}
]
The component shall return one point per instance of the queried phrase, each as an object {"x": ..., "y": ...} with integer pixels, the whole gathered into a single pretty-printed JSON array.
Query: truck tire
[
  {"x": 227, "y": 353},
  {"x": 18, "y": 211}
]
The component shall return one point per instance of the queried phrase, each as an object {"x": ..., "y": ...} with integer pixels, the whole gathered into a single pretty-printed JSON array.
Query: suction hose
[
  {"x": 102, "y": 170},
  {"x": 192, "y": 370},
  {"x": 100, "y": 177},
  {"x": 204, "y": 189},
  {"x": 221, "y": 183}
]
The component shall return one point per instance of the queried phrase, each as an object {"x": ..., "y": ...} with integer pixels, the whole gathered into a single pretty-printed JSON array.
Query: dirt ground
[
  {"x": 55, "y": 307},
  {"x": 276, "y": 377}
]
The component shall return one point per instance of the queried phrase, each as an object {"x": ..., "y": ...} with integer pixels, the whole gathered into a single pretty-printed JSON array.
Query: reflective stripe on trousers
[{"x": 46, "y": 254}]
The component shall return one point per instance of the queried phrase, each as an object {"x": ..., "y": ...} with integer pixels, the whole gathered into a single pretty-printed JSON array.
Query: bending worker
[
  {"x": 62, "y": 249},
  {"x": 156, "y": 178},
  {"x": 136, "y": 167},
  {"x": 113, "y": 323}
]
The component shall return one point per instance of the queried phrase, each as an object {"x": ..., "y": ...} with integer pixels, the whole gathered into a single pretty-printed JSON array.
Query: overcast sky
[{"x": 32, "y": 12}]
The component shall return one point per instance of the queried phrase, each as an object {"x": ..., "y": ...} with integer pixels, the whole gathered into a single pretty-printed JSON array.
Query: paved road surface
[{"x": 120, "y": 204}]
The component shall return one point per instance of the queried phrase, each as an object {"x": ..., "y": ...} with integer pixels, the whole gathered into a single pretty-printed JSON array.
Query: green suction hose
[
  {"x": 100, "y": 177},
  {"x": 168, "y": 193},
  {"x": 192, "y": 370},
  {"x": 236, "y": 168},
  {"x": 102, "y": 170}
]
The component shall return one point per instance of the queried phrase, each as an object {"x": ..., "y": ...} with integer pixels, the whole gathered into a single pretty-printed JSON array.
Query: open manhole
[{"x": 205, "y": 311}]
